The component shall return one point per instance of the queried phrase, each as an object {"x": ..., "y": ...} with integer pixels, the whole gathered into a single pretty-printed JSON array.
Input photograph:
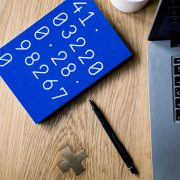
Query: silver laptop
[{"x": 164, "y": 90}]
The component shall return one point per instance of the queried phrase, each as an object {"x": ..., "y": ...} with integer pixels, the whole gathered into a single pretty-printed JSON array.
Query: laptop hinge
[{"x": 175, "y": 39}]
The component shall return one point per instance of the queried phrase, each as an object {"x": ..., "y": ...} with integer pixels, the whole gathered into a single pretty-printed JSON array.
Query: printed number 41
[{"x": 79, "y": 6}]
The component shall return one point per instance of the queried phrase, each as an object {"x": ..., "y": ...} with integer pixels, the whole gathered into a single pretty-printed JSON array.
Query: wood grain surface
[{"x": 30, "y": 151}]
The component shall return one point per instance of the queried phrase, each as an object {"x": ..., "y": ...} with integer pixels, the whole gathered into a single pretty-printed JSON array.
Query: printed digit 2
[
  {"x": 44, "y": 71},
  {"x": 62, "y": 56},
  {"x": 90, "y": 55},
  {"x": 81, "y": 42}
]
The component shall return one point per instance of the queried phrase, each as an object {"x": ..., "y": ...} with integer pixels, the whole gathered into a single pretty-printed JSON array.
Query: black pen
[{"x": 119, "y": 146}]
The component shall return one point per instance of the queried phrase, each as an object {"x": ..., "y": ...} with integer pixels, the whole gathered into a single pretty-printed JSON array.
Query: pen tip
[
  {"x": 91, "y": 102},
  {"x": 134, "y": 170}
]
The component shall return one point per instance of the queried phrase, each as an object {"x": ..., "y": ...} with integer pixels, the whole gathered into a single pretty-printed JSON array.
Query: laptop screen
[{"x": 167, "y": 20}]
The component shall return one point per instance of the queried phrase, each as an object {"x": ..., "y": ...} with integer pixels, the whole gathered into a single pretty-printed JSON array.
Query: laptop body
[{"x": 164, "y": 90}]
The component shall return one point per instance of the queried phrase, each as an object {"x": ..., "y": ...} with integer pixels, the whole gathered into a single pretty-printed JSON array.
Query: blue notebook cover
[{"x": 59, "y": 56}]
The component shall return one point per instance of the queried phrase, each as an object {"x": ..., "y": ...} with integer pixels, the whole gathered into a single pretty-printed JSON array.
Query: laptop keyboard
[
  {"x": 174, "y": 11},
  {"x": 176, "y": 86}
]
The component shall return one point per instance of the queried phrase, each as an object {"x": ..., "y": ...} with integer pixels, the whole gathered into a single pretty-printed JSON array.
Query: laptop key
[
  {"x": 174, "y": 2},
  {"x": 177, "y": 70},
  {"x": 178, "y": 115},
  {"x": 174, "y": 11},
  {"x": 174, "y": 19},
  {"x": 176, "y": 60},
  {"x": 177, "y": 81},
  {"x": 177, "y": 103},
  {"x": 177, "y": 92}
]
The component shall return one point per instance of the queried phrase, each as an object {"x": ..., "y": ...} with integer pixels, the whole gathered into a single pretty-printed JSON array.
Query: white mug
[{"x": 129, "y": 6}]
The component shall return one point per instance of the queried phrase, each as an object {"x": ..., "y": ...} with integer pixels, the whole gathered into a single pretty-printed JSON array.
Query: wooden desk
[{"x": 29, "y": 151}]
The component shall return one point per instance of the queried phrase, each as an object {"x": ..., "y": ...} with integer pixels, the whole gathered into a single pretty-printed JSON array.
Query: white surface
[{"x": 129, "y": 6}]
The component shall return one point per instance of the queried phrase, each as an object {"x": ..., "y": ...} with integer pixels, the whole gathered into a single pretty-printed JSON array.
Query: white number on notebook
[
  {"x": 89, "y": 55},
  {"x": 78, "y": 6},
  {"x": 30, "y": 60},
  {"x": 68, "y": 70},
  {"x": 63, "y": 93},
  {"x": 62, "y": 56},
  {"x": 60, "y": 19},
  {"x": 48, "y": 84},
  {"x": 84, "y": 20},
  {"x": 25, "y": 45},
  {"x": 43, "y": 70},
  {"x": 80, "y": 43},
  {"x": 41, "y": 33},
  {"x": 5, "y": 59},
  {"x": 67, "y": 35},
  {"x": 95, "y": 68}
]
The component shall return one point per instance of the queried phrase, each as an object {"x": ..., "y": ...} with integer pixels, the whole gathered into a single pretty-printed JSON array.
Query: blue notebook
[{"x": 59, "y": 56}]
